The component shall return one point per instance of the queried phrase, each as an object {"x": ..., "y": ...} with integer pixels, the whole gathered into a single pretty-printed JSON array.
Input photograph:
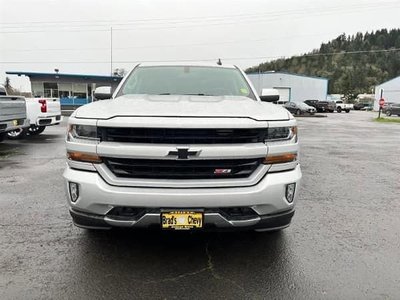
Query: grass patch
[
  {"x": 6, "y": 153},
  {"x": 387, "y": 120}
]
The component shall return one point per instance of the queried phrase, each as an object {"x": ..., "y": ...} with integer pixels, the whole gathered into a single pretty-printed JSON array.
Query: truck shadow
[{"x": 232, "y": 260}]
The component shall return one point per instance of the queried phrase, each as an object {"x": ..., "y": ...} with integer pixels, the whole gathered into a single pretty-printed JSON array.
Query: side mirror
[
  {"x": 102, "y": 93},
  {"x": 269, "y": 95},
  {"x": 269, "y": 98}
]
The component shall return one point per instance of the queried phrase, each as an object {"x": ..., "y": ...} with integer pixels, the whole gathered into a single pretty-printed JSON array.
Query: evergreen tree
[{"x": 348, "y": 73}]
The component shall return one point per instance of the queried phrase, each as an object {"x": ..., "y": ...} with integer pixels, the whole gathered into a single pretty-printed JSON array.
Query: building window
[
  {"x": 50, "y": 89},
  {"x": 79, "y": 95},
  {"x": 79, "y": 90},
  {"x": 63, "y": 94},
  {"x": 64, "y": 90}
]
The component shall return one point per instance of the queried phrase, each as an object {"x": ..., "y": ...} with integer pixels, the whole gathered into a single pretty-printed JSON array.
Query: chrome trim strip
[
  {"x": 81, "y": 165},
  {"x": 210, "y": 218},
  {"x": 111, "y": 179},
  {"x": 160, "y": 151}
]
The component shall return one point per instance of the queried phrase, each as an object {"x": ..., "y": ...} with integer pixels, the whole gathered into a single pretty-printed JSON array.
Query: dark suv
[
  {"x": 322, "y": 106},
  {"x": 393, "y": 109}
]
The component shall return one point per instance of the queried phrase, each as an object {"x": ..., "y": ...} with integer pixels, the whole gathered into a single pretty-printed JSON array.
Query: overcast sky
[{"x": 74, "y": 35}]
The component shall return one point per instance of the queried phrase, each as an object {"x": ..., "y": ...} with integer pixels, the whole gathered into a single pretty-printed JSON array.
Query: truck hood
[{"x": 182, "y": 106}]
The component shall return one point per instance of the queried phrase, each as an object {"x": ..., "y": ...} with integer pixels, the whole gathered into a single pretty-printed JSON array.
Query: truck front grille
[
  {"x": 182, "y": 135},
  {"x": 182, "y": 169}
]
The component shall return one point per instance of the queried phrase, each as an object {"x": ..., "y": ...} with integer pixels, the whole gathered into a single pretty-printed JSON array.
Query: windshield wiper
[{"x": 199, "y": 94}]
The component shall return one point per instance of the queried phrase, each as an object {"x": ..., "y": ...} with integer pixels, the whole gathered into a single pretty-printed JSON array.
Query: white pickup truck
[
  {"x": 41, "y": 112},
  {"x": 183, "y": 147},
  {"x": 12, "y": 113},
  {"x": 341, "y": 106}
]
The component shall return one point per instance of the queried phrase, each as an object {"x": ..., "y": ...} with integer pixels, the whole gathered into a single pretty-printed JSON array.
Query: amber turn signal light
[
  {"x": 84, "y": 157},
  {"x": 280, "y": 158}
]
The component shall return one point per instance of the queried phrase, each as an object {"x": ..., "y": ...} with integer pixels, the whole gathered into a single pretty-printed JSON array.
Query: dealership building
[
  {"x": 390, "y": 91},
  {"x": 292, "y": 87},
  {"x": 72, "y": 89}
]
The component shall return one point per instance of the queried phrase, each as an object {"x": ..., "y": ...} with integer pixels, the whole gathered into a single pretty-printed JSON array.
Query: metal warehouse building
[
  {"x": 72, "y": 89},
  {"x": 292, "y": 87},
  {"x": 391, "y": 92}
]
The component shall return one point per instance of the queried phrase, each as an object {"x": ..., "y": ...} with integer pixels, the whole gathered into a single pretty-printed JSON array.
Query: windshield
[{"x": 186, "y": 80}]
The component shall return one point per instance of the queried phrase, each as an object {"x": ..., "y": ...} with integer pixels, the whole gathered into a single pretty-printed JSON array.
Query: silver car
[{"x": 299, "y": 108}]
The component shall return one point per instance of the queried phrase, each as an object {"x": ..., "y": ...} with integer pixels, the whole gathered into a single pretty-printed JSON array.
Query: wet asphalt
[{"x": 344, "y": 242}]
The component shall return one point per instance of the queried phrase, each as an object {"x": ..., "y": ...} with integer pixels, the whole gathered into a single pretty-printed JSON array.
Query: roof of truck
[{"x": 194, "y": 64}]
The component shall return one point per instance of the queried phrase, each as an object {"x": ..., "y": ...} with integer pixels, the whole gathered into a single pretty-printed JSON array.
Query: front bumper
[
  {"x": 212, "y": 221},
  {"x": 11, "y": 125},
  {"x": 266, "y": 198}
]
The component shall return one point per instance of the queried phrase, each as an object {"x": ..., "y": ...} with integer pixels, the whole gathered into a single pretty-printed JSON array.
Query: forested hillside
[{"x": 350, "y": 70}]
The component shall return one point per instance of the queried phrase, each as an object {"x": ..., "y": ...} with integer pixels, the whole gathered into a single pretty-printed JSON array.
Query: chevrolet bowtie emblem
[{"x": 183, "y": 153}]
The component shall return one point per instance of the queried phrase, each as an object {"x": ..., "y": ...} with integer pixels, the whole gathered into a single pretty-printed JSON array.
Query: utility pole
[{"x": 111, "y": 51}]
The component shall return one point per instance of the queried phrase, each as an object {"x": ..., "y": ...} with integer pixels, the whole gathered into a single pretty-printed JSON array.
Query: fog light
[
  {"x": 74, "y": 191},
  {"x": 290, "y": 190}
]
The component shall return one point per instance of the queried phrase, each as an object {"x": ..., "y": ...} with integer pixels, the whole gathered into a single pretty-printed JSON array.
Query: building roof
[
  {"x": 287, "y": 73},
  {"x": 38, "y": 75},
  {"x": 393, "y": 79}
]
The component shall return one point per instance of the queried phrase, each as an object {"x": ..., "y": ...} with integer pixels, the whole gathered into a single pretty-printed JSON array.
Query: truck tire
[
  {"x": 339, "y": 109},
  {"x": 16, "y": 134},
  {"x": 388, "y": 113},
  {"x": 2, "y": 136},
  {"x": 347, "y": 111},
  {"x": 36, "y": 130},
  {"x": 298, "y": 112}
]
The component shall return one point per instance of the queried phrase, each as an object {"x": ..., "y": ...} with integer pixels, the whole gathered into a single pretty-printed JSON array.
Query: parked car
[
  {"x": 41, "y": 112},
  {"x": 361, "y": 105},
  {"x": 367, "y": 107},
  {"x": 340, "y": 105},
  {"x": 12, "y": 113},
  {"x": 183, "y": 147},
  {"x": 299, "y": 108},
  {"x": 393, "y": 109},
  {"x": 282, "y": 102},
  {"x": 312, "y": 103},
  {"x": 386, "y": 105},
  {"x": 322, "y": 106}
]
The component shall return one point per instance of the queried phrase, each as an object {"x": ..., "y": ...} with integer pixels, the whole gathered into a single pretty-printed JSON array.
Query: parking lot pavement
[{"x": 343, "y": 243}]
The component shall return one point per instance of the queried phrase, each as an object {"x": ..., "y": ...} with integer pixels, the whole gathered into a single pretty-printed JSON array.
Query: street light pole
[{"x": 111, "y": 51}]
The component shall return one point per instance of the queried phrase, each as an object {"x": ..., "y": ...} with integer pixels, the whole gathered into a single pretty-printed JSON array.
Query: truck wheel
[
  {"x": 347, "y": 111},
  {"x": 388, "y": 113},
  {"x": 298, "y": 112},
  {"x": 16, "y": 134},
  {"x": 36, "y": 130},
  {"x": 2, "y": 136},
  {"x": 339, "y": 109}
]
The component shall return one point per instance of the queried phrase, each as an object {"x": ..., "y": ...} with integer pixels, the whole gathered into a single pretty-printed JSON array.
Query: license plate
[
  {"x": 181, "y": 220},
  {"x": 15, "y": 122}
]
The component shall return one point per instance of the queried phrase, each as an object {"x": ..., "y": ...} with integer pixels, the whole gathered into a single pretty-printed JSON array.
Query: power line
[
  {"x": 264, "y": 18},
  {"x": 174, "y": 45},
  {"x": 202, "y": 18},
  {"x": 205, "y": 59}
]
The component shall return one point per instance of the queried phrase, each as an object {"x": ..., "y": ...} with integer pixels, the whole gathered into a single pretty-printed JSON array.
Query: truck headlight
[
  {"x": 281, "y": 134},
  {"x": 85, "y": 132}
]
